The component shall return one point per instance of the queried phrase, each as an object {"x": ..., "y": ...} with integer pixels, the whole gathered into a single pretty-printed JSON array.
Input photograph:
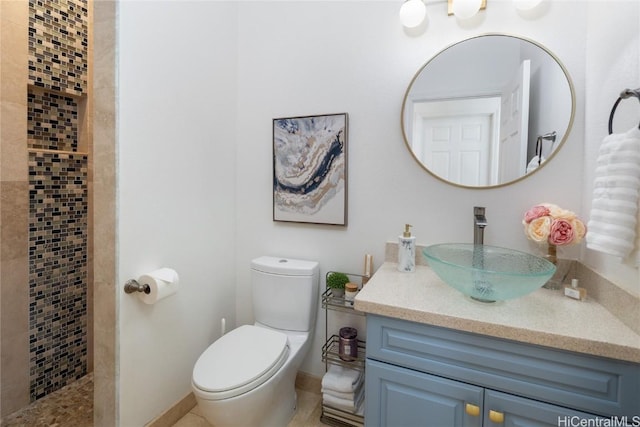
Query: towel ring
[{"x": 627, "y": 93}]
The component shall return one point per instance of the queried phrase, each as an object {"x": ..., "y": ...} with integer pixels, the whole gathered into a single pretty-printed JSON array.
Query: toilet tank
[{"x": 285, "y": 292}]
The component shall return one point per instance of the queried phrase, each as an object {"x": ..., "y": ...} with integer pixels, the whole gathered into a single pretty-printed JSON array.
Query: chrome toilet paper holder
[{"x": 133, "y": 285}]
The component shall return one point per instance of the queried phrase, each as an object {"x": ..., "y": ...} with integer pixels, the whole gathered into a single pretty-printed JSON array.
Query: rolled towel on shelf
[{"x": 341, "y": 379}]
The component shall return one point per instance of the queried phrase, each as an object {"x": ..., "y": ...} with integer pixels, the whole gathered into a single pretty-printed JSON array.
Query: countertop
[{"x": 544, "y": 317}]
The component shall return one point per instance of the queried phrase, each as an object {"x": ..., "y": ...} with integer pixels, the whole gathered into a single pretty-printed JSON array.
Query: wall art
[{"x": 310, "y": 169}]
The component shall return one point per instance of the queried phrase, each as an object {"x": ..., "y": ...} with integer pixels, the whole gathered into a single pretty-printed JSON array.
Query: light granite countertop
[{"x": 544, "y": 317}]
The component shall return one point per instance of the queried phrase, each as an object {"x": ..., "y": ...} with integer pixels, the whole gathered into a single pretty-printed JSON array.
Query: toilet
[{"x": 247, "y": 376}]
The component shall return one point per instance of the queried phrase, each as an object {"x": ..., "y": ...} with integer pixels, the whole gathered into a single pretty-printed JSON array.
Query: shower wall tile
[
  {"x": 58, "y": 224},
  {"x": 58, "y": 43},
  {"x": 14, "y": 277},
  {"x": 13, "y": 160},
  {"x": 103, "y": 203},
  {"x": 52, "y": 121},
  {"x": 13, "y": 57},
  {"x": 14, "y": 208}
]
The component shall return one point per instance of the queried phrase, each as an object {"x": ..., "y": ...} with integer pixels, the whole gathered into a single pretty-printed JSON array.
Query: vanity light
[
  {"x": 412, "y": 13},
  {"x": 526, "y": 4},
  {"x": 465, "y": 9}
]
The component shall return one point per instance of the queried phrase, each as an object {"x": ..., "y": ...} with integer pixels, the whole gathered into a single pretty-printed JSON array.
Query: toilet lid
[{"x": 240, "y": 360}]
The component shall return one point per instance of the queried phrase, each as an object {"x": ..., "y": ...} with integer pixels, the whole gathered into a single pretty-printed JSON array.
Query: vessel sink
[{"x": 488, "y": 273}]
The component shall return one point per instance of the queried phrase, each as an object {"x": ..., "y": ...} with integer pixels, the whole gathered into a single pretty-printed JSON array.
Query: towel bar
[{"x": 627, "y": 93}]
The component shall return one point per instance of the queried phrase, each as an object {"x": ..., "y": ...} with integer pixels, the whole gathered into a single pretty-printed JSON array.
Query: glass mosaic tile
[{"x": 58, "y": 224}]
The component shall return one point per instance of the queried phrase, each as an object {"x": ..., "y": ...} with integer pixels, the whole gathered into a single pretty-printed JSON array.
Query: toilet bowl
[{"x": 247, "y": 377}]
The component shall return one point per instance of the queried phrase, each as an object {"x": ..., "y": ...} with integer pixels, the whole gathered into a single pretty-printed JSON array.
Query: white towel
[
  {"x": 614, "y": 210},
  {"x": 343, "y": 394},
  {"x": 535, "y": 163},
  {"x": 349, "y": 405},
  {"x": 342, "y": 379}
]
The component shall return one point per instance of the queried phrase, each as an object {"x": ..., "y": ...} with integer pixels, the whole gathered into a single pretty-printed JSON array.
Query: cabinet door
[
  {"x": 506, "y": 410},
  {"x": 400, "y": 397}
]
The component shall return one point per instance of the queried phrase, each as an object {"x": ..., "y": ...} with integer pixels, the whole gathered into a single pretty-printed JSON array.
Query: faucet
[{"x": 479, "y": 223}]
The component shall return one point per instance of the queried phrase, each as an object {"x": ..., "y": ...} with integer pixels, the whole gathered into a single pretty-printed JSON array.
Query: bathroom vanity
[{"x": 436, "y": 357}]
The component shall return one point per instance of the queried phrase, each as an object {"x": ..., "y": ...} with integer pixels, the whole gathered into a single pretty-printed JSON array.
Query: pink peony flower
[
  {"x": 557, "y": 212},
  {"x": 561, "y": 232},
  {"x": 554, "y": 225},
  {"x": 535, "y": 212}
]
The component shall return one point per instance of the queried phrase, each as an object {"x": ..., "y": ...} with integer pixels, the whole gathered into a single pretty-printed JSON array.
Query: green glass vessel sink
[{"x": 488, "y": 273}]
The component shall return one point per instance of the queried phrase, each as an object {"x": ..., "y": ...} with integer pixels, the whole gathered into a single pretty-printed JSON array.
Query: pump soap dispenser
[{"x": 407, "y": 251}]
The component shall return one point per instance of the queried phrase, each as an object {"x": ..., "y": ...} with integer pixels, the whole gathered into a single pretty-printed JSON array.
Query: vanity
[{"x": 435, "y": 357}]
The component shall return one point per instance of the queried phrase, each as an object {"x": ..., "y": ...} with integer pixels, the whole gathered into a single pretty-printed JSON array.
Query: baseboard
[
  {"x": 173, "y": 414},
  {"x": 308, "y": 382}
]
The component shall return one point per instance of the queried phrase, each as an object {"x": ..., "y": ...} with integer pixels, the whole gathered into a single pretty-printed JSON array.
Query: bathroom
[{"x": 182, "y": 141}]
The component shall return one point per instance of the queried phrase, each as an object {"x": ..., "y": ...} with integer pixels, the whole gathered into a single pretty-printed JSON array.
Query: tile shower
[{"x": 49, "y": 286}]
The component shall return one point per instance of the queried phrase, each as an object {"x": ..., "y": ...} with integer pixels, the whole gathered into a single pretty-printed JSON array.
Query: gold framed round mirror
[{"x": 488, "y": 111}]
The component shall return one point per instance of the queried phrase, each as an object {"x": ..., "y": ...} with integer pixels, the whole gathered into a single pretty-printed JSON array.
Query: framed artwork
[{"x": 310, "y": 169}]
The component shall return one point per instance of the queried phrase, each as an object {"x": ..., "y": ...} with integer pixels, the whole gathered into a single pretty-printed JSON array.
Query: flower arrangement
[{"x": 551, "y": 224}]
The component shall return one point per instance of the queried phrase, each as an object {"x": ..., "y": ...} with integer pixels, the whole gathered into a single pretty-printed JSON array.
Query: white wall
[
  {"x": 298, "y": 58},
  {"x": 176, "y": 192},
  {"x": 198, "y": 82},
  {"x": 613, "y": 64}
]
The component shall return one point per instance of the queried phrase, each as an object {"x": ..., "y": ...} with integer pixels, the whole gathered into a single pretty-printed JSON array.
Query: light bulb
[
  {"x": 412, "y": 13},
  {"x": 526, "y": 4},
  {"x": 464, "y": 9}
]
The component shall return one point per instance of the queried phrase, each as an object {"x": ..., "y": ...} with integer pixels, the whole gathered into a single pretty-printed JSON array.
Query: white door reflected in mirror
[
  {"x": 472, "y": 115},
  {"x": 454, "y": 139}
]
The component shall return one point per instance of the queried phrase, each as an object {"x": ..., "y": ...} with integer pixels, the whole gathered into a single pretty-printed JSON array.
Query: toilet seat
[{"x": 240, "y": 361}]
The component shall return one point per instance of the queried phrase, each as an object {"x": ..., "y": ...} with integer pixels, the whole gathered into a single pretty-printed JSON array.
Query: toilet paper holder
[{"x": 133, "y": 285}]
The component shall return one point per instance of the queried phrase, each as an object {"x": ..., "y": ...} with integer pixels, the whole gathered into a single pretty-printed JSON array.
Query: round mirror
[{"x": 488, "y": 111}]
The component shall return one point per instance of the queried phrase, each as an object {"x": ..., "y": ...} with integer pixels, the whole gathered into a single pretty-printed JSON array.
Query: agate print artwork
[{"x": 310, "y": 169}]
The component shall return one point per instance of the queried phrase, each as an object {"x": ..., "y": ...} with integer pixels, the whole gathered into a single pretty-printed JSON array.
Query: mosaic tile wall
[
  {"x": 52, "y": 121},
  {"x": 58, "y": 207},
  {"x": 58, "y": 198},
  {"x": 58, "y": 42}
]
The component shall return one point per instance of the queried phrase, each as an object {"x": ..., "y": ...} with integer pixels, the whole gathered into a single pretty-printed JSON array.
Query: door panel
[
  {"x": 410, "y": 398},
  {"x": 514, "y": 125},
  {"x": 520, "y": 412}
]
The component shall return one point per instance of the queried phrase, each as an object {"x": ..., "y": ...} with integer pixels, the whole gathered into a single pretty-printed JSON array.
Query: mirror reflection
[{"x": 488, "y": 111}]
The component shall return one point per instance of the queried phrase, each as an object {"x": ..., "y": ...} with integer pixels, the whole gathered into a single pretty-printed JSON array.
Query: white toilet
[{"x": 247, "y": 377}]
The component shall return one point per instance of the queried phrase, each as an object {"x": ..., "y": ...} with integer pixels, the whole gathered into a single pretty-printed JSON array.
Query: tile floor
[
  {"x": 72, "y": 406},
  {"x": 307, "y": 415}
]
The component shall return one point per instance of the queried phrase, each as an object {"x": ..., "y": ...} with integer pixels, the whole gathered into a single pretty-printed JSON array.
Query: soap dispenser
[{"x": 406, "y": 251}]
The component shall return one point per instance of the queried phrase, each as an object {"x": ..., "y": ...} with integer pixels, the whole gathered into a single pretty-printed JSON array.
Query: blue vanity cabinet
[
  {"x": 502, "y": 409},
  {"x": 418, "y": 374},
  {"x": 402, "y": 397}
]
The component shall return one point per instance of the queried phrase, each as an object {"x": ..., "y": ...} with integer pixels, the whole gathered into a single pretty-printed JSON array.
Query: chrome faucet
[{"x": 479, "y": 223}]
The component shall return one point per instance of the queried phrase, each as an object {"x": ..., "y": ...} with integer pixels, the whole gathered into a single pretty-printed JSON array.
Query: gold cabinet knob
[
  {"x": 472, "y": 410},
  {"x": 496, "y": 417}
]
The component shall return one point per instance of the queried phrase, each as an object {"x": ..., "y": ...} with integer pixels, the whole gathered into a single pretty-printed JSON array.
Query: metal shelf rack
[{"x": 330, "y": 355}]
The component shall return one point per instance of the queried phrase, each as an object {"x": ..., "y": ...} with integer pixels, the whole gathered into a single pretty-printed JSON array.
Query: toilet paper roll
[{"x": 162, "y": 283}]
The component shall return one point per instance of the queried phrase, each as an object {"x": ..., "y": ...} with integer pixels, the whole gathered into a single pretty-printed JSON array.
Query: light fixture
[
  {"x": 412, "y": 13},
  {"x": 465, "y": 9},
  {"x": 526, "y": 4}
]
